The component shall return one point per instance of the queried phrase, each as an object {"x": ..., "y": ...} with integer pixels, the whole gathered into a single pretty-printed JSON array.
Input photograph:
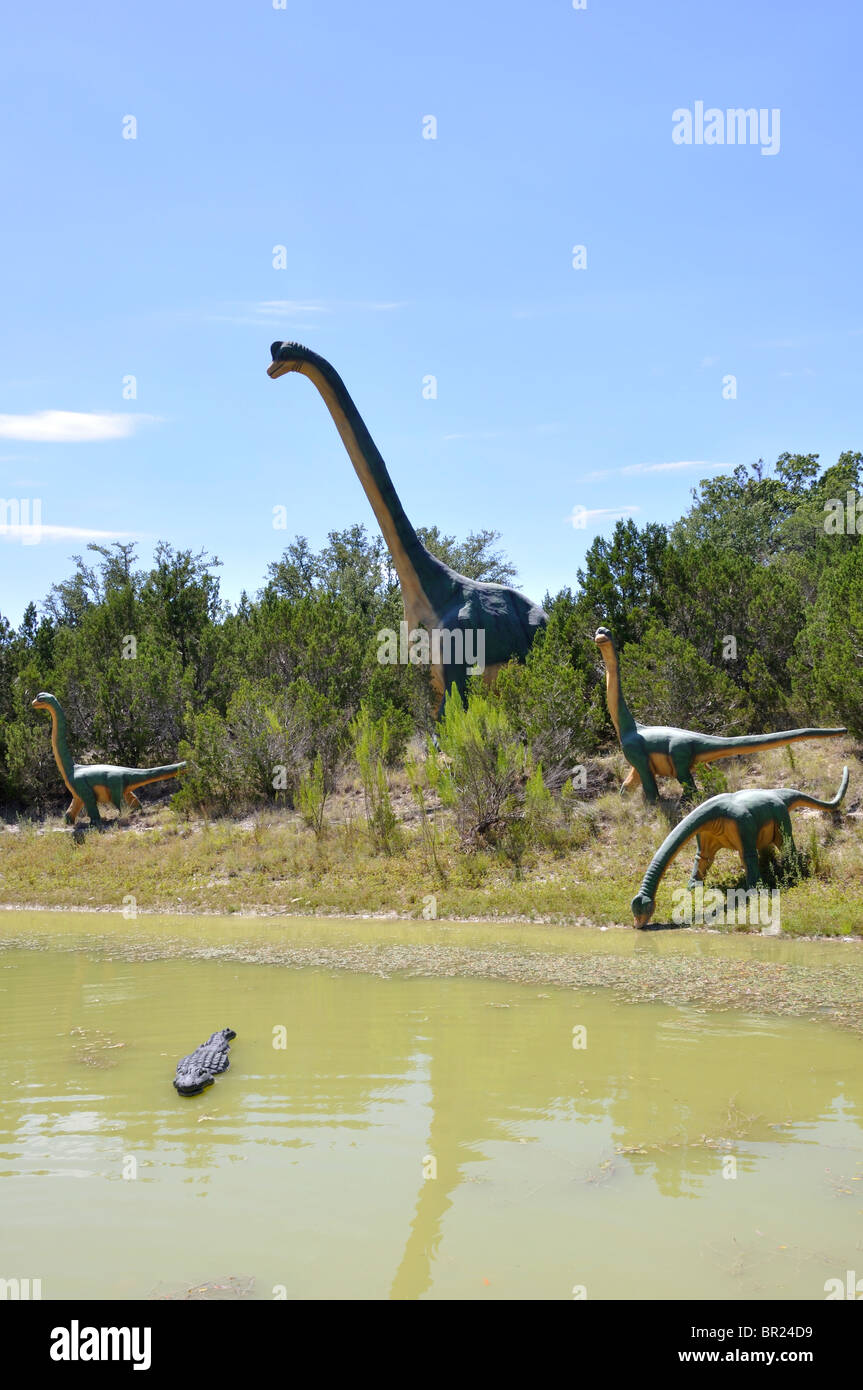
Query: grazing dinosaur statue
[
  {"x": 747, "y": 821},
  {"x": 435, "y": 597},
  {"x": 201, "y": 1067},
  {"x": 655, "y": 751},
  {"x": 98, "y": 783}
]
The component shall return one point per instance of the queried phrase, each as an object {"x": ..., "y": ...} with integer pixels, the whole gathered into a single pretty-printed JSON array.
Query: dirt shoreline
[{"x": 276, "y": 913}]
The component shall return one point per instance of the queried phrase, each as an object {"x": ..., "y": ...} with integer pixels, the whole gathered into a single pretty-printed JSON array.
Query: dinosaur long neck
[
  {"x": 62, "y": 756},
  {"x": 425, "y": 581},
  {"x": 617, "y": 706},
  {"x": 673, "y": 844}
]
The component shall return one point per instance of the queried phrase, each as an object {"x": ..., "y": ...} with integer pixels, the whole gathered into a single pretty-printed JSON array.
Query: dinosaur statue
[
  {"x": 100, "y": 782},
  {"x": 655, "y": 751},
  {"x": 747, "y": 821},
  {"x": 200, "y": 1069},
  {"x": 435, "y": 597}
]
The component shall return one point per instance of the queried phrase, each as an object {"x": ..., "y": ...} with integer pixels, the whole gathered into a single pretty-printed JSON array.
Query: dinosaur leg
[
  {"x": 649, "y": 787},
  {"x": 648, "y": 782},
  {"x": 131, "y": 799},
  {"x": 683, "y": 773},
  {"x": 92, "y": 808},
  {"x": 751, "y": 864},
  {"x": 631, "y": 781},
  {"x": 76, "y": 806},
  {"x": 704, "y": 857},
  {"x": 742, "y": 833}
]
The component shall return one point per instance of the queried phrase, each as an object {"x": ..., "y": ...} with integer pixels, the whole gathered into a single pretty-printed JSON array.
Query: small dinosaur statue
[
  {"x": 747, "y": 821},
  {"x": 98, "y": 783},
  {"x": 655, "y": 751},
  {"x": 434, "y": 596},
  {"x": 201, "y": 1067}
]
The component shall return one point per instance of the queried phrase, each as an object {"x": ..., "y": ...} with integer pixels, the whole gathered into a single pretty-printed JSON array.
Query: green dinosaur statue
[
  {"x": 747, "y": 821},
  {"x": 88, "y": 786},
  {"x": 654, "y": 751},
  {"x": 434, "y": 596}
]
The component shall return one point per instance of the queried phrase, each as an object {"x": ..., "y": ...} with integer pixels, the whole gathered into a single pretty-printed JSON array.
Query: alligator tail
[{"x": 803, "y": 798}]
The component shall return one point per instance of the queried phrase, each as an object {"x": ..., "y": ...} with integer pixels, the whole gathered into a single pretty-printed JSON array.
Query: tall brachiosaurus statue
[
  {"x": 434, "y": 596},
  {"x": 655, "y": 751},
  {"x": 747, "y": 821},
  {"x": 89, "y": 785}
]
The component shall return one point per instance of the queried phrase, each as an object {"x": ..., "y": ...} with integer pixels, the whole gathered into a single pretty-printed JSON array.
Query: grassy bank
[{"x": 273, "y": 863}]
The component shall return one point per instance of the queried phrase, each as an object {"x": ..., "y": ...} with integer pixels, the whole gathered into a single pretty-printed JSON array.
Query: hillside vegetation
[{"x": 312, "y": 782}]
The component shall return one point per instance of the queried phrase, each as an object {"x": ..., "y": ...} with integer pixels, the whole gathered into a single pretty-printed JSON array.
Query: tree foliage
[{"x": 746, "y": 614}]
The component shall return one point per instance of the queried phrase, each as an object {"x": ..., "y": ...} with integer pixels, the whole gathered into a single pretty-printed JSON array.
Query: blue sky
[{"x": 406, "y": 257}]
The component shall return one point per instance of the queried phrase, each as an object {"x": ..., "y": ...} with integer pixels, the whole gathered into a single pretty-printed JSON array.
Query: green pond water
[{"x": 414, "y": 1137}]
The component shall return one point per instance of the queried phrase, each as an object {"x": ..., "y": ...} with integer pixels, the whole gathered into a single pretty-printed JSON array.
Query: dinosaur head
[
  {"x": 44, "y": 700},
  {"x": 642, "y": 909},
  {"x": 288, "y": 357},
  {"x": 603, "y": 639}
]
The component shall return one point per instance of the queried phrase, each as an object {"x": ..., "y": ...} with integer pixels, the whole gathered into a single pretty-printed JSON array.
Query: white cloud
[
  {"x": 581, "y": 517},
  {"x": 32, "y": 535},
  {"x": 545, "y": 429},
  {"x": 288, "y": 306},
  {"x": 632, "y": 469},
  {"x": 671, "y": 467},
  {"x": 70, "y": 426},
  {"x": 476, "y": 434},
  {"x": 265, "y": 311},
  {"x": 782, "y": 343}
]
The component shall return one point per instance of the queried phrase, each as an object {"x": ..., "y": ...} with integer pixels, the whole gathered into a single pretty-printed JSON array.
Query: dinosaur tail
[
  {"x": 156, "y": 774},
  {"x": 751, "y": 743},
  {"x": 803, "y": 799},
  {"x": 671, "y": 847}
]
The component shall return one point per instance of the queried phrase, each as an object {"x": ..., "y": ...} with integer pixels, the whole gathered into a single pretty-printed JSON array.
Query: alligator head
[{"x": 193, "y": 1079}]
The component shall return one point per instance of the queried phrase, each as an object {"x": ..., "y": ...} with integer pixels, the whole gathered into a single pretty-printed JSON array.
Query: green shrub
[
  {"x": 485, "y": 766},
  {"x": 550, "y": 705},
  {"x": 312, "y": 796},
  {"x": 423, "y": 777},
  {"x": 371, "y": 743}
]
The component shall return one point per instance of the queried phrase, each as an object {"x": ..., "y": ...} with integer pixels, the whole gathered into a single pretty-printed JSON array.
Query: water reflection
[{"x": 548, "y": 1159}]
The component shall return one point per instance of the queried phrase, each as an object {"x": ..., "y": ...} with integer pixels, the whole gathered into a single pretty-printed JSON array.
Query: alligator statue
[
  {"x": 200, "y": 1069},
  {"x": 654, "y": 751},
  {"x": 461, "y": 615},
  {"x": 90, "y": 785},
  {"x": 747, "y": 821}
]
